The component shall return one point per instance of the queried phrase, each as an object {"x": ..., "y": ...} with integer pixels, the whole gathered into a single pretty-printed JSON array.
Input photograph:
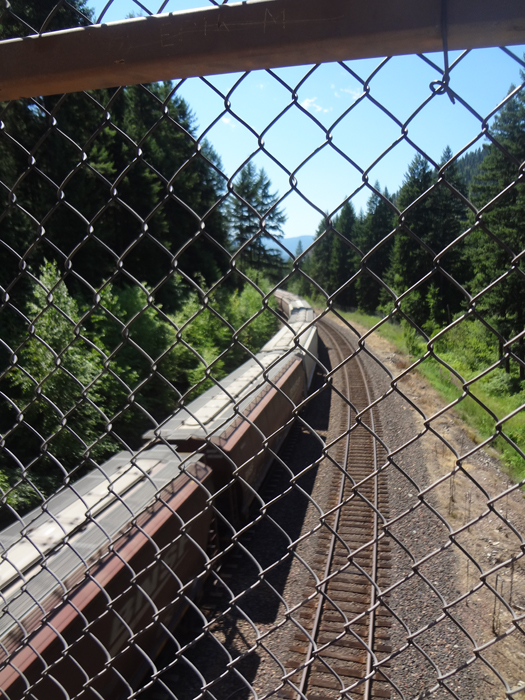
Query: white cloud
[
  {"x": 310, "y": 103},
  {"x": 228, "y": 121},
  {"x": 354, "y": 93}
]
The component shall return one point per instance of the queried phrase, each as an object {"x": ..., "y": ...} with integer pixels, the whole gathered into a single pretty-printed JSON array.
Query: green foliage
[
  {"x": 334, "y": 260},
  {"x": 202, "y": 338},
  {"x": 213, "y": 338},
  {"x": 299, "y": 283},
  {"x": 55, "y": 385},
  {"x": 140, "y": 220},
  {"x": 500, "y": 383},
  {"x": 254, "y": 215},
  {"x": 255, "y": 323},
  {"x": 469, "y": 347},
  {"x": 374, "y": 228},
  {"x": 413, "y": 341},
  {"x": 153, "y": 207},
  {"x": 500, "y": 233},
  {"x": 471, "y": 343},
  {"x": 133, "y": 337},
  {"x": 90, "y": 379},
  {"x": 28, "y": 17},
  {"x": 469, "y": 166},
  {"x": 432, "y": 218}
]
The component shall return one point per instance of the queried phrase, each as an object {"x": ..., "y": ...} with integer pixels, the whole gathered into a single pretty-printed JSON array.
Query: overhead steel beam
[{"x": 247, "y": 36}]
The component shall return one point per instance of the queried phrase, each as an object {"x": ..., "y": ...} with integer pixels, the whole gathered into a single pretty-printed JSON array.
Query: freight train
[
  {"x": 92, "y": 583},
  {"x": 240, "y": 424}
]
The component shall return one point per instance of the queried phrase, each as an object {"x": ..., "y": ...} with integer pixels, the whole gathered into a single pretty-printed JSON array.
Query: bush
[
  {"x": 499, "y": 383},
  {"x": 474, "y": 346},
  {"x": 414, "y": 343},
  {"x": 90, "y": 379},
  {"x": 56, "y": 406}
]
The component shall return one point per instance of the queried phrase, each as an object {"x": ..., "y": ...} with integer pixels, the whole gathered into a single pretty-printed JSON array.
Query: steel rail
[
  {"x": 331, "y": 331},
  {"x": 375, "y": 553},
  {"x": 331, "y": 550}
]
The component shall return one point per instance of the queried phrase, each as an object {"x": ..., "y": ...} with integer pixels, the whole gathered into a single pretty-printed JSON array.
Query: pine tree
[
  {"x": 28, "y": 17},
  {"x": 345, "y": 258},
  {"x": 334, "y": 259},
  {"x": 431, "y": 219},
  {"x": 500, "y": 235},
  {"x": 255, "y": 215},
  {"x": 135, "y": 188},
  {"x": 449, "y": 221},
  {"x": 469, "y": 166},
  {"x": 376, "y": 225}
]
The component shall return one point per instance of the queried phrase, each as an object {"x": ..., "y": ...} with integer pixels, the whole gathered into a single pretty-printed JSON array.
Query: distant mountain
[{"x": 291, "y": 244}]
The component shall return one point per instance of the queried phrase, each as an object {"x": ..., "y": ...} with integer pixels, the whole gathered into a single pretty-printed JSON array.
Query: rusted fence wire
[{"x": 144, "y": 553}]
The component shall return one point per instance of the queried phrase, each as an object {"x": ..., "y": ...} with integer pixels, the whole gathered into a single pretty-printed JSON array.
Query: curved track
[
  {"x": 348, "y": 634},
  {"x": 340, "y": 628}
]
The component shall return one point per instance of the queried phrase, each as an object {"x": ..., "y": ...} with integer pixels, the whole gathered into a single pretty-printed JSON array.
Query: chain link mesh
[{"x": 120, "y": 264}]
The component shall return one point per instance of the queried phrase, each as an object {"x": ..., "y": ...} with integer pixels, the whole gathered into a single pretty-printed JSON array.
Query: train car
[
  {"x": 91, "y": 583},
  {"x": 100, "y": 574},
  {"x": 241, "y": 423},
  {"x": 293, "y": 307}
]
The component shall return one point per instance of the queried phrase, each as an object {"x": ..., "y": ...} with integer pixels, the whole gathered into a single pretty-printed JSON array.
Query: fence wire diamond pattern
[{"x": 138, "y": 272}]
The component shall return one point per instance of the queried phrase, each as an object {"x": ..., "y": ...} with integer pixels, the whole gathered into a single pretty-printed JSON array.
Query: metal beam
[{"x": 247, "y": 36}]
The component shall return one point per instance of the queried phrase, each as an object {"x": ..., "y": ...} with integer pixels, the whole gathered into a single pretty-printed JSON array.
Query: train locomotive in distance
[{"x": 240, "y": 424}]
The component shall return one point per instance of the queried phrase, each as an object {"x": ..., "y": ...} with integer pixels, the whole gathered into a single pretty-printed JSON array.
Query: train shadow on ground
[
  {"x": 253, "y": 575},
  {"x": 282, "y": 524}
]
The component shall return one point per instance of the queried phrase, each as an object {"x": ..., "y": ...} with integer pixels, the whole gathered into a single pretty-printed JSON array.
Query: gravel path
[{"x": 428, "y": 586}]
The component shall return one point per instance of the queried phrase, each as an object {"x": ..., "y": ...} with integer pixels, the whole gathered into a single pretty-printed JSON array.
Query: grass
[
  {"x": 392, "y": 332},
  {"x": 468, "y": 353}
]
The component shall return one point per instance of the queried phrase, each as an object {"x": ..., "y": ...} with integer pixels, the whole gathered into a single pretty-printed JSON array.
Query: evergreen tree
[
  {"x": 255, "y": 215},
  {"x": 500, "y": 236},
  {"x": 449, "y": 222},
  {"x": 134, "y": 189},
  {"x": 469, "y": 165},
  {"x": 431, "y": 219},
  {"x": 409, "y": 258},
  {"x": 334, "y": 259},
  {"x": 344, "y": 261},
  {"x": 299, "y": 283},
  {"x": 375, "y": 226},
  {"x": 29, "y": 17}
]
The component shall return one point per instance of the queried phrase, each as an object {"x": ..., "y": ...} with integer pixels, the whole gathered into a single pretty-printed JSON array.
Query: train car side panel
[
  {"x": 309, "y": 343},
  {"x": 117, "y": 613},
  {"x": 245, "y": 446}
]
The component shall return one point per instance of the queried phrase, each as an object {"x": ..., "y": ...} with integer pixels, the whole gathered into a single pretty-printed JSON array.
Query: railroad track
[{"x": 346, "y": 621}]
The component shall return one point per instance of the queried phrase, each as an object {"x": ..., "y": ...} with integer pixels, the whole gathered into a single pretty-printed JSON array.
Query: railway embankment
[
  {"x": 462, "y": 483},
  {"x": 444, "y": 550}
]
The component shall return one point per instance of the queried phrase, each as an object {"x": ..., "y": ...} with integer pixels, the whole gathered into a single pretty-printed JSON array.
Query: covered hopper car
[{"x": 293, "y": 308}]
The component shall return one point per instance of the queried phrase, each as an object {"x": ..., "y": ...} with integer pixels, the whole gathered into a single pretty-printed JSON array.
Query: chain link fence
[{"x": 161, "y": 538}]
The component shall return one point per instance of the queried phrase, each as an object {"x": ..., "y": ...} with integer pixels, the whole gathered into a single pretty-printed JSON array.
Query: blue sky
[{"x": 361, "y": 137}]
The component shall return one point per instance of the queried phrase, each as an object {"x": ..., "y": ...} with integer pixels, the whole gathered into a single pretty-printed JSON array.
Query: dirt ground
[{"x": 485, "y": 513}]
